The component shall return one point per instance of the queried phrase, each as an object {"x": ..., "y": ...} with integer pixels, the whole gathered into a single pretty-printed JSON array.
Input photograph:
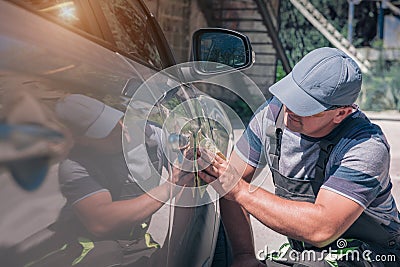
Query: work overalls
[{"x": 364, "y": 234}]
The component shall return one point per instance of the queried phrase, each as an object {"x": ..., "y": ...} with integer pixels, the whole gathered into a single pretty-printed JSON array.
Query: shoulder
[
  {"x": 364, "y": 149},
  {"x": 364, "y": 133},
  {"x": 70, "y": 170},
  {"x": 269, "y": 109},
  {"x": 265, "y": 116}
]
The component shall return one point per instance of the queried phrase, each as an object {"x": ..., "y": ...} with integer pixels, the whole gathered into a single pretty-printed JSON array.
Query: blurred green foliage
[
  {"x": 280, "y": 72},
  {"x": 299, "y": 37},
  {"x": 381, "y": 88}
]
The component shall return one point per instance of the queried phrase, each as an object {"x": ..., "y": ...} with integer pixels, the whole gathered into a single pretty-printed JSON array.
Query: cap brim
[
  {"x": 105, "y": 123},
  {"x": 294, "y": 98}
]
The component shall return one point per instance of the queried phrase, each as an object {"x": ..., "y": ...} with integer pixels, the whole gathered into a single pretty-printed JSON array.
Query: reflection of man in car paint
[{"x": 106, "y": 217}]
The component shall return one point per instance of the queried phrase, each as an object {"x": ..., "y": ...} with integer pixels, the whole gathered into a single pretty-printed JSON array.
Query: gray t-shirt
[
  {"x": 358, "y": 167},
  {"x": 86, "y": 173}
]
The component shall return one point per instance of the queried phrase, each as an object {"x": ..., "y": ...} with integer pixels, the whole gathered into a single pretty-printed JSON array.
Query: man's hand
[
  {"x": 181, "y": 177},
  {"x": 220, "y": 174},
  {"x": 179, "y": 180}
]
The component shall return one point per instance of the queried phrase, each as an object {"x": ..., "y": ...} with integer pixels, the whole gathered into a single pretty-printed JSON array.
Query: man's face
[{"x": 317, "y": 125}]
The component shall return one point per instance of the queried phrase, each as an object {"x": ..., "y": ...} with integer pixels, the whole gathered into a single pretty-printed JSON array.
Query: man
[
  {"x": 105, "y": 219},
  {"x": 330, "y": 167}
]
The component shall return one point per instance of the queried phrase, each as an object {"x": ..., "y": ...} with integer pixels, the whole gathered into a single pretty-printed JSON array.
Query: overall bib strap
[{"x": 274, "y": 133}]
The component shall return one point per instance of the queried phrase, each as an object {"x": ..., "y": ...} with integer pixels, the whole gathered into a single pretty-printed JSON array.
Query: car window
[
  {"x": 130, "y": 29},
  {"x": 126, "y": 21}
]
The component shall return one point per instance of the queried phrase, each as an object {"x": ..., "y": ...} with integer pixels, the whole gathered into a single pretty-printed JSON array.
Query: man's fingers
[
  {"x": 206, "y": 177},
  {"x": 220, "y": 158},
  {"x": 209, "y": 168},
  {"x": 189, "y": 153},
  {"x": 212, "y": 156},
  {"x": 213, "y": 182},
  {"x": 206, "y": 155},
  {"x": 186, "y": 179}
]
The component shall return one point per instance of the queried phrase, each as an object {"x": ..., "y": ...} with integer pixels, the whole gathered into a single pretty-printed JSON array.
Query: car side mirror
[{"x": 224, "y": 49}]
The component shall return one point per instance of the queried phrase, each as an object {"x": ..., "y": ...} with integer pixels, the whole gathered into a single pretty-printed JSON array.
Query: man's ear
[{"x": 342, "y": 113}]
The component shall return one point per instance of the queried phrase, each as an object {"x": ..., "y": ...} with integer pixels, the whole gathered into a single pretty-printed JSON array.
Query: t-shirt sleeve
[
  {"x": 361, "y": 173},
  {"x": 76, "y": 183},
  {"x": 250, "y": 146}
]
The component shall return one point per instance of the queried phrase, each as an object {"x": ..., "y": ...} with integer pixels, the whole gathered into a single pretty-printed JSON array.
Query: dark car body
[{"x": 104, "y": 49}]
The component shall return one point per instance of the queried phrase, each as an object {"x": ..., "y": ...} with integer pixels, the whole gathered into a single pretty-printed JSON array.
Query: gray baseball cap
[
  {"x": 324, "y": 78},
  {"x": 87, "y": 116}
]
